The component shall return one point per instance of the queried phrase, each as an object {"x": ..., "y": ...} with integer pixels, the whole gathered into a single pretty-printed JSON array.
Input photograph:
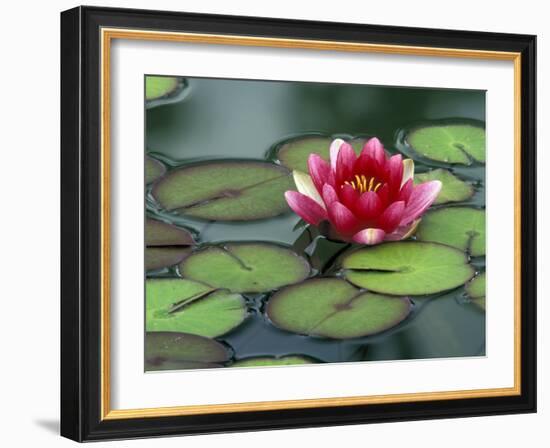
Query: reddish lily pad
[
  {"x": 163, "y": 257},
  {"x": 452, "y": 143},
  {"x": 245, "y": 267},
  {"x": 294, "y": 153},
  {"x": 158, "y": 233},
  {"x": 226, "y": 191},
  {"x": 271, "y": 361},
  {"x": 153, "y": 170},
  {"x": 460, "y": 227},
  {"x": 333, "y": 308},
  {"x": 407, "y": 268},
  {"x": 167, "y": 245},
  {"x": 191, "y": 307},
  {"x": 172, "y": 351},
  {"x": 453, "y": 189}
]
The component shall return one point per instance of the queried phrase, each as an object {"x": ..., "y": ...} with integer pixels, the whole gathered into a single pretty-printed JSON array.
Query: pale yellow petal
[
  {"x": 408, "y": 170},
  {"x": 305, "y": 185}
]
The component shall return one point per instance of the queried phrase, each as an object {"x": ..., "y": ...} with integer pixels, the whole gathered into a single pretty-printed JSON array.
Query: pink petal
[
  {"x": 421, "y": 198},
  {"x": 395, "y": 172},
  {"x": 384, "y": 194},
  {"x": 403, "y": 232},
  {"x": 344, "y": 164},
  {"x": 334, "y": 150},
  {"x": 329, "y": 195},
  {"x": 374, "y": 149},
  {"x": 342, "y": 219},
  {"x": 369, "y": 236},
  {"x": 305, "y": 207},
  {"x": 369, "y": 206},
  {"x": 406, "y": 190},
  {"x": 319, "y": 170},
  {"x": 391, "y": 217},
  {"x": 349, "y": 196}
]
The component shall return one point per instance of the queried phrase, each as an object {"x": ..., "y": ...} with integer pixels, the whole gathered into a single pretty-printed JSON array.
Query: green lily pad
[
  {"x": 266, "y": 361},
  {"x": 153, "y": 170},
  {"x": 245, "y": 267},
  {"x": 476, "y": 290},
  {"x": 158, "y": 233},
  {"x": 185, "y": 306},
  {"x": 453, "y": 189},
  {"x": 407, "y": 268},
  {"x": 172, "y": 351},
  {"x": 163, "y": 257},
  {"x": 460, "y": 227},
  {"x": 294, "y": 153},
  {"x": 226, "y": 191},
  {"x": 333, "y": 308},
  {"x": 454, "y": 143},
  {"x": 159, "y": 86}
]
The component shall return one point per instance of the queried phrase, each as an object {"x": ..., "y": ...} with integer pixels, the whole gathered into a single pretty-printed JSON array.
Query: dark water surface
[{"x": 221, "y": 119}]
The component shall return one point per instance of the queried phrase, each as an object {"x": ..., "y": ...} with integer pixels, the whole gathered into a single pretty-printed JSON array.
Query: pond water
[{"x": 218, "y": 119}]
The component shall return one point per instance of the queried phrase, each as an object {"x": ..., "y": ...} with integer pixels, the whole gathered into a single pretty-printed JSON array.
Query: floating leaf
[
  {"x": 460, "y": 227},
  {"x": 171, "y": 351},
  {"x": 245, "y": 267},
  {"x": 453, "y": 189},
  {"x": 454, "y": 143},
  {"x": 294, "y": 153},
  {"x": 153, "y": 170},
  {"x": 476, "y": 290},
  {"x": 190, "y": 307},
  {"x": 159, "y": 86},
  {"x": 335, "y": 309},
  {"x": 407, "y": 268},
  {"x": 167, "y": 245},
  {"x": 227, "y": 191},
  {"x": 163, "y": 257},
  {"x": 158, "y": 233},
  {"x": 266, "y": 361}
]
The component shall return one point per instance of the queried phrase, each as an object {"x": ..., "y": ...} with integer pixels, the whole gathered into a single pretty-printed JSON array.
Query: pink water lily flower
[{"x": 365, "y": 199}]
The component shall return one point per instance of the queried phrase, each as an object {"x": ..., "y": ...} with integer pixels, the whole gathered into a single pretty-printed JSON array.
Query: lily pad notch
[
  {"x": 407, "y": 268},
  {"x": 333, "y": 308},
  {"x": 181, "y": 305},
  {"x": 246, "y": 267},
  {"x": 225, "y": 190},
  {"x": 449, "y": 143}
]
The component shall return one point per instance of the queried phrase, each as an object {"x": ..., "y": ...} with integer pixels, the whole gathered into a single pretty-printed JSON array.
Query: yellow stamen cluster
[{"x": 362, "y": 183}]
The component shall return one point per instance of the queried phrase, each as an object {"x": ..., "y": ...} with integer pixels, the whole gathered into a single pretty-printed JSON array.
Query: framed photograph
[{"x": 275, "y": 224}]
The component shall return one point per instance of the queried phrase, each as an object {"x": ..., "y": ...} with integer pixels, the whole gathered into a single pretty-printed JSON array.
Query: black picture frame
[{"x": 81, "y": 224}]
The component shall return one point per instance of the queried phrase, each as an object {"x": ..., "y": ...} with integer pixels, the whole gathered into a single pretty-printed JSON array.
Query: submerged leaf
[
  {"x": 191, "y": 307},
  {"x": 226, "y": 191},
  {"x": 245, "y": 267},
  {"x": 407, "y": 268},
  {"x": 171, "y": 351},
  {"x": 453, "y": 143},
  {"x": 460, "y": 227},
  {"x": 333, "y": 308}
]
